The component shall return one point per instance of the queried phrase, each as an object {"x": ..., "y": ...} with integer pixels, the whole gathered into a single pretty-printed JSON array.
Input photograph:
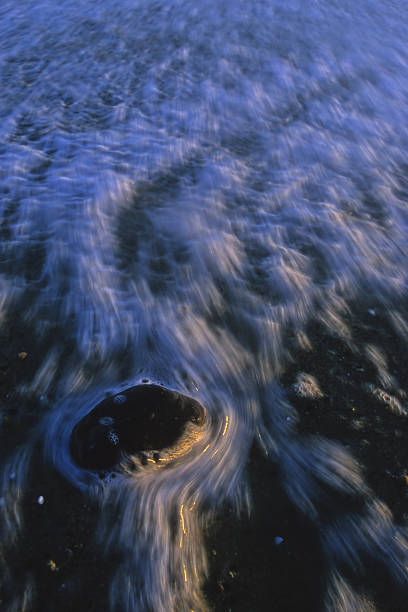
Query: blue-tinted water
[{"x": 181, "y": 183}]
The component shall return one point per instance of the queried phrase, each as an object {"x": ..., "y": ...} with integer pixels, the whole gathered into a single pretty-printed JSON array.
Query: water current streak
[{"x": 189, "y": 190}]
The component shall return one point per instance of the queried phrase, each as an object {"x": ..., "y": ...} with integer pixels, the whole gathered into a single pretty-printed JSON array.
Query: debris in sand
[{"x": 390, "y": 401}]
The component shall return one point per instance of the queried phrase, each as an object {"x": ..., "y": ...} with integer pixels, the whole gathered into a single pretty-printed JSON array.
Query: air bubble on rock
[
  {"x": 119, "y": 399},
  {"x": 106, "y": 420},
  {"x": 113, "y": 438},
  {"x": 41, "y": 500}
]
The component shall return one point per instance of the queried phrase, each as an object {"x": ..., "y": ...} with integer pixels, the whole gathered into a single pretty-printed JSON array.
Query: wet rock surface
[{"x": 144, "y": 418}]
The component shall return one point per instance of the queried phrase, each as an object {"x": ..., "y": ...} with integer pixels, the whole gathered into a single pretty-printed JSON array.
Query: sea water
[{"x": 182, "y": 183}]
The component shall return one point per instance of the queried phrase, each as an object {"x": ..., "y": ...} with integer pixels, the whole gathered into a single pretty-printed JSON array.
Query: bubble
[
  {"x": 119, "y": 399},
  {"x": 113, "y": 438},
  {"x": 106, "y": 420}
]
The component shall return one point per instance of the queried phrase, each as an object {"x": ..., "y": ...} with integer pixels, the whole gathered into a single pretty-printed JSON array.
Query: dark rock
[{"x": 140, "y": 419}]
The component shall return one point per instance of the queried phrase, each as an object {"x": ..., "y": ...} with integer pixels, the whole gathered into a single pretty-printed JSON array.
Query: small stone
[
  {"x": 41, "y": 500},
  {"x": 23, "y": 355},
  {"x": 307, "y": 387},
  {"x": 278, "y": 540},
  {"x": 371, "y": 311}
]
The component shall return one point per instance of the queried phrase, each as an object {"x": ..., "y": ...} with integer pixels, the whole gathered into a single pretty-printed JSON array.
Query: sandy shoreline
[{"x": 272, "y": 559}]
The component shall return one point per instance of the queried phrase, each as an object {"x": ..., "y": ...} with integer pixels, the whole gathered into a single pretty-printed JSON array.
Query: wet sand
[{"x": 271, "y": 559}]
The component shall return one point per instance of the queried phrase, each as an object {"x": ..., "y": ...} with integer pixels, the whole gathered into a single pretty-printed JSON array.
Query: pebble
[
  {"x": 371, "y": 311},
  {"x": 41, "y": 500},
  {"x": 306, "y": 386},
  {"x": 278, "y": 540}
]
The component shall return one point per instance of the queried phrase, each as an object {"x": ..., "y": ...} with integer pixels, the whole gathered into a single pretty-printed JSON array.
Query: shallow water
[{"x": 184, "y": 185}]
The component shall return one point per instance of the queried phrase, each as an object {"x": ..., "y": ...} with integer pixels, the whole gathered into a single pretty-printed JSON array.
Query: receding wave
[{"x": 203, "y": 204}]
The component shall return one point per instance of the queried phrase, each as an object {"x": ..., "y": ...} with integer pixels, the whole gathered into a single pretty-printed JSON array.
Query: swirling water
[{"x": 182, "y": 185}]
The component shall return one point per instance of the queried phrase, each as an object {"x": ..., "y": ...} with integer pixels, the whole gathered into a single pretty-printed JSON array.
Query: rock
[
  {"x": 122, "y": 425},
  {"x": 306, "y": 386}
]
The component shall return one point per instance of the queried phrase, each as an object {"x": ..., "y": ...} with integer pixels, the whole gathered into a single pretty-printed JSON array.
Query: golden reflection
[
  {"x": 226, "y": 425},
  {"x": 182, "y": 519},
  {"x": 192, "y": 434}
]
